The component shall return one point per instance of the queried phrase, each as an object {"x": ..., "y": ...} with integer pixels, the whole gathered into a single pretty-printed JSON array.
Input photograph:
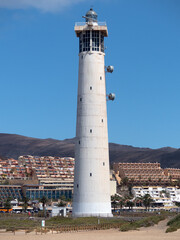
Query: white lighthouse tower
[{"x": 92, "y": 180}]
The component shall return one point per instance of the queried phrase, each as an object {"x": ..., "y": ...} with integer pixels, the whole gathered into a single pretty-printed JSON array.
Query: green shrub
[
  {"x": 174, "y": 224},
  {"x": 80, "y": 221},
  {"x": 174, "y": 220},
  {"x": 145, "y": 222},
  {"x": 126, "y": 227},
  {"x": 171, "y": 229}
]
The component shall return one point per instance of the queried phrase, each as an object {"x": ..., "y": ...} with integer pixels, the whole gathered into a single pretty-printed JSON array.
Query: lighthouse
[{"x": 91, "y": 175}]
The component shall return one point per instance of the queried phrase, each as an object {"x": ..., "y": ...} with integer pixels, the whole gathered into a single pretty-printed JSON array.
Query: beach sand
[{"x": 156, "y": 232}]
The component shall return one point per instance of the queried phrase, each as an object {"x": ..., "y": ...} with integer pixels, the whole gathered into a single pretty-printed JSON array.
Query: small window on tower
[
  {"x": 90, "y": 174},
  {"x": 100, "y": 77},
  {"x": 80, "y": 99},
  {"x": 102, "y": 120},
  {"x": 82, "y": 56},
  {"x": 90, "y": 130},
  {"x": 77, "y": 185},
  {"x": 103, "y": 163},
  {"x": 90, "y": 88},
  {"x": 79, "y": 142}
]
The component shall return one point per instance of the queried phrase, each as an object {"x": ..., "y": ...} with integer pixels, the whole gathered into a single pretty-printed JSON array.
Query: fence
[{"x": 64, "y": 229}]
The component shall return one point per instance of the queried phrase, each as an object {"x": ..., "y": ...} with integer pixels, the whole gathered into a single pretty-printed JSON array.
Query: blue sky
[{"x": 39, "y": 68}]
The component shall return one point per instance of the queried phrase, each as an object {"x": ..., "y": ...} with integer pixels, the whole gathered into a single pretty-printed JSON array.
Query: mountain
[{"x": 12, "y": 146}]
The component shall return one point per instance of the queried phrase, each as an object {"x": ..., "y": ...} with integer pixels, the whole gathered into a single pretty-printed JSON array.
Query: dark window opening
[
  {"x": 90, "y": 174},
  {"x": 79, "y": 142},
  {"x": 84, "y": 41},
  {"x": 100, "y": 78},
  {"x": 102, "y": 43},
  {"x": 103, "y": 163},
  {"x": 90, "y": 130},
  {"x": 102, "y": 120},
  {"x": 77, "y": 185},
  {"x": 95, "y": 41},
  {"x": 90, "y": 88},
  {"x": 80, "y": 99}
]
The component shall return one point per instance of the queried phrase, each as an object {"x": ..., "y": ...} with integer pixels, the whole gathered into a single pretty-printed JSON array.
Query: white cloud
[{"x": 44, "y": 5}]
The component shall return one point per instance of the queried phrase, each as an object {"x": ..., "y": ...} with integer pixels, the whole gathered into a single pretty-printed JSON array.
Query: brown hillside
[{"x": 12, "y": 145}]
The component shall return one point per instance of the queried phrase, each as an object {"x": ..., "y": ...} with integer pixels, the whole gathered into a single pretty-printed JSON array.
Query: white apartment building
[{"x": 162, "y": 196}]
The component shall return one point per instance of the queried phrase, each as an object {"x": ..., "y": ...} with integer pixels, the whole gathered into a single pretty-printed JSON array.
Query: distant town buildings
[
  {"x": 53, "y": 177},
  {"x": 35, "y": 177},
  {"x": 145, "y": 174},
  {"x": 48, "y": 167},
  {"x": 37, "y": 168},
  {"x": 172, "y": 173}
]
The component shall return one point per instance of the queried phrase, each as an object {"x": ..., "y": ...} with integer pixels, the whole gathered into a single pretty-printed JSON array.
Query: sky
[{"x": 39, "y": 69}]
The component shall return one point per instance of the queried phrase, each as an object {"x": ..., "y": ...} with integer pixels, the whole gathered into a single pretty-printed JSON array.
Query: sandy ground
[{"x": 156, "y": 232}]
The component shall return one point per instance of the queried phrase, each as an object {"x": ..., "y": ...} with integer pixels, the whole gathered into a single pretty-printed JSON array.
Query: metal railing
[{"x": 84, "y": 23}]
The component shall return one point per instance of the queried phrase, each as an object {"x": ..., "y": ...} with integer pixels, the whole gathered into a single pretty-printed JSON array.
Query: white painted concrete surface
[{"x": 92, "y": 182}]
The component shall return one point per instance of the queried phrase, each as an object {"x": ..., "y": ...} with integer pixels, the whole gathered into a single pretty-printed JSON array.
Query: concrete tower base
[
  {"x": 95, "y": 210},
  {"x": 103, "y": 215}
]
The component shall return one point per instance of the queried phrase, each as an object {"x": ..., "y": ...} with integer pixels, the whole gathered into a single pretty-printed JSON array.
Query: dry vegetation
[{"x": 174, "y": 224}]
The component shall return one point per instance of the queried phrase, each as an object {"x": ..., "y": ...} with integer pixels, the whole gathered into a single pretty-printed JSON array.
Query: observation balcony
[
  {"x": 95, "y": 26},
  {"x": 86, "y": 23}
]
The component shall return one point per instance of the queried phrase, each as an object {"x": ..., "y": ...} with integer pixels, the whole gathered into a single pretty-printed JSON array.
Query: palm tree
[
  {"x": 128, "y": 201},
  {"x": 121, "y": 202},
  {"x": 7, "y": 203},
  {"x": 25, "y": 203},
  {"x": 130, "y": 189},
  {"x": 44, "y": 200},
  {"x": 138, "y": 201},
  {"x": 61, "y": 204},
  {"x": 129, "y": 204},
  {"x": 115, "y": 200},
  {"x": 170, "y": 178},
  {"x": 1, "y": 202},
  {"x": 125, "y": 181},
  {"x": 178, "y": 183},
  {"x": 147, "y": 200},
  {"x": 63, "y": 201},
  {"x": 63, "y": 198}
]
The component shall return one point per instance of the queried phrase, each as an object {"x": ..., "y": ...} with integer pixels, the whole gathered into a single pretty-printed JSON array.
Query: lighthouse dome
[{"x": 91, "y": 15}]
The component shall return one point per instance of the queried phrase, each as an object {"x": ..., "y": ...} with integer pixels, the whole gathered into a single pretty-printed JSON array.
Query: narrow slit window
[
  {"x": 79, "y": 142},
  {"x": 77, "y": 185},
  {"x": 80, "y": 99},
  {"x": 103, "y": 163},
  {"x": 102, "y": 120},
  {"x": 90, "y": 130},
  {"x": 100, "y": 77},
  {"x": 90, "y": 87},
  {"x": 90, "y": 174}
]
